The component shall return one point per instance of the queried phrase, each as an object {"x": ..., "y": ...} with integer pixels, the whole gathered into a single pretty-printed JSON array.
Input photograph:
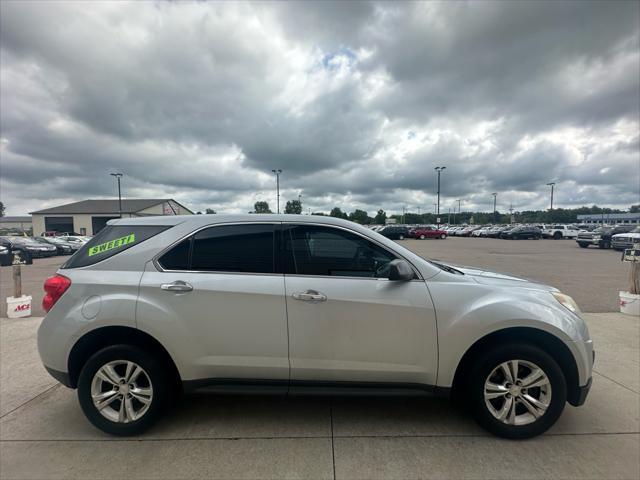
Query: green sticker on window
[{"x": 110, "y": 245}]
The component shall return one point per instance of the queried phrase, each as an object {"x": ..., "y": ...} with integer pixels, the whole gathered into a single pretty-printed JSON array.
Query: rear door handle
[
  {"x": 177, "y": 286},
  {"x": 310, "y": 296}
]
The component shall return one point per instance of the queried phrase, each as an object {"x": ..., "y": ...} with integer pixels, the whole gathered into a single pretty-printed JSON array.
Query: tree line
[{"x": 557, "y": 215}]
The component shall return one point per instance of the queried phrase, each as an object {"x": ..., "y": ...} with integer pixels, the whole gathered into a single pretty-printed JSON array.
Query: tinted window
[
  {"x": 110, "y": 241},
  {"x": 314, "y": 250},
  {"x": 234, "y": 248},
  {"x": 178, "y": 257}
]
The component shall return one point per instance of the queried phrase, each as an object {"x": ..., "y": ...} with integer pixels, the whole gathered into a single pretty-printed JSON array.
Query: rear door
[
  {"x": 216, "y": 301},
  {"x": 347, "y": 321}
]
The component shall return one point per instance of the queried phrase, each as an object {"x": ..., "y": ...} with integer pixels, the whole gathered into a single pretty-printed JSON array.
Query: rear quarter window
[{"x": 110, "y": 241}]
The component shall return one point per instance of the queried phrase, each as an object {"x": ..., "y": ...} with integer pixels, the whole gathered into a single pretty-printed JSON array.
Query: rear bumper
[{"x": 62, "y": 377}]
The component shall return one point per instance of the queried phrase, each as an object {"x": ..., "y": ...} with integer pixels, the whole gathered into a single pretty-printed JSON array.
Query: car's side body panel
[{"x": 367, "y": 330}]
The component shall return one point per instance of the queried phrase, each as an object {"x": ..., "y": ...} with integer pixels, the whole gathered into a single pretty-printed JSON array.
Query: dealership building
[
  {"x": 611, "y": 218},
  {"x": 88, "y": 217}
]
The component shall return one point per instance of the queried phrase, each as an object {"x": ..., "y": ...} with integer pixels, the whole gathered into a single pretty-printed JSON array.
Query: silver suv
[{"x": 154, "y": 306}]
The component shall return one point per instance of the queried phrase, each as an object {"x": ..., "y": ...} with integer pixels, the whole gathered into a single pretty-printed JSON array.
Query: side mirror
[{"x": 400, "y": 270}]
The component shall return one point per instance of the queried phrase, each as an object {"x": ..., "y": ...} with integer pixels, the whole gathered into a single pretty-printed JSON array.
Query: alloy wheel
[
  {"x": 121, "y": 391},
  {"x": 517, "y": 392}
]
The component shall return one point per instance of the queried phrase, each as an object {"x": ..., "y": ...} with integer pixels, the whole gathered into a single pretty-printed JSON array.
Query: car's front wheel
[
  {"x": 122, "y": 390},
  {"x": 517, "y": 391}
]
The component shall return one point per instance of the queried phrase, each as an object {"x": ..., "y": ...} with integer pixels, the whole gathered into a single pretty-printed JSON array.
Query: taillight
[{"x": 54, "y": 286}]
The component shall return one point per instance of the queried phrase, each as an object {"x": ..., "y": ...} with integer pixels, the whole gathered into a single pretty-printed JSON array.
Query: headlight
[{"x": 568, "y": 302}]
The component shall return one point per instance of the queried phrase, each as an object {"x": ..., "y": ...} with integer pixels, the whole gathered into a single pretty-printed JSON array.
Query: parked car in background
[
  {"x": 621, "y": 241},
  {"x": 558, "y": 232},
  {"x": 76, "y": 239},
  {"x": 522, "y": 232},
  {"x": 302, "y": 305},
  {"x": 601, "y": 236},
  {"x": 427, "y": 232},
  {"x": 6, "y": 258},
  {"x": 395, "y": 232},
  {"x": 29, "y": 245},
  {"x": 63, "y": 247}
]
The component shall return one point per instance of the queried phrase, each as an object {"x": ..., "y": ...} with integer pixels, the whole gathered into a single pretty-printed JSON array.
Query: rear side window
[
  {"x": 225, "y": 248},
  {"x": 110, "y": 241}
]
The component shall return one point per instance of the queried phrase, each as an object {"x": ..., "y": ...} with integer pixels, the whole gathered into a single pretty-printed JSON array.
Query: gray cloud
[{"x": 356, "y": 101}]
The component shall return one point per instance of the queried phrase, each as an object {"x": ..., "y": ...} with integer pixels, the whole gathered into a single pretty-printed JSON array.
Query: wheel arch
[
  {"x": 103, "y": 337},
  {"x": 540, "y": 338}
]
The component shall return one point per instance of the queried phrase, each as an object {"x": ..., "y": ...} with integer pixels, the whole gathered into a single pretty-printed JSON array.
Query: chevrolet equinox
[{"x": 302, "y": 304}]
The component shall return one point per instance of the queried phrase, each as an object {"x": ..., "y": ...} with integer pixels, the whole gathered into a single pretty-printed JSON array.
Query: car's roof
[{"x": 198, "y": 220}]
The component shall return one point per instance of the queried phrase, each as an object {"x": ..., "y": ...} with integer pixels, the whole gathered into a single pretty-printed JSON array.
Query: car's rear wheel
[
  {"x": 443, "y": 236},
  {"x": 557, "y": 236},
  {"x": 517, "y": 391},
  {"x": 401, "y": 237},
  {"x": 123, "y": 390},
  {"x": 422, "y": 237}
]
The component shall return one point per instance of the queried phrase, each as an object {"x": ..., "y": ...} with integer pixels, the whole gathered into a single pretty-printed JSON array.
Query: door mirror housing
[{"x": 400, "y": 270}]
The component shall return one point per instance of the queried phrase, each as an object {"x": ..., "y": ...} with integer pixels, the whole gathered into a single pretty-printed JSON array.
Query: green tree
[
  {"x": 635, "y": 208},
  {"x": 380, "y": 218},
  {"x": 336, "y": 212},
  {"x": 1, "y": 209},
  {"x": 360, "y": 216},
  {"x": 210, "y": 211},
  {"x": 293, "y": 206},
  {"x": 261, "y": 207}
]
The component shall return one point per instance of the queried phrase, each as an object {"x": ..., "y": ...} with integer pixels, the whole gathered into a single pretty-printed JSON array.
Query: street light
[
  {"x": 494, "y": 207},
  {"x": 454, "y": 211},
  {"x": 551, "y": 184},
  {"x": 118, "y": 177},
  {"x": 278, "y": 172},
  {"x": 439, "y": 170}
]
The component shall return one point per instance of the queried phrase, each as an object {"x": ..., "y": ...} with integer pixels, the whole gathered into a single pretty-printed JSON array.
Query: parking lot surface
[
  {"x": 43, "y": 433},
  {"x": 591, "y": 276}
]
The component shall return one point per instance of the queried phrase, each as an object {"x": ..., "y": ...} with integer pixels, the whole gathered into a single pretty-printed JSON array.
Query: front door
[
  {"x": 217, "y": 304},
  {"x": 347, "y": 321}
]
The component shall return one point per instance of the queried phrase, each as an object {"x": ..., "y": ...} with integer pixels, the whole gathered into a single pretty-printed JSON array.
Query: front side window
[
  {"x": 225, "y": 248},
  {"x": 317, "y": 250}
]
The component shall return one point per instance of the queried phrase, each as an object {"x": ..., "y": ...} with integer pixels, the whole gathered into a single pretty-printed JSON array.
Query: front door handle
[
  {"x": 310, "y": 296},
  {"x": 177, "y": 286}
]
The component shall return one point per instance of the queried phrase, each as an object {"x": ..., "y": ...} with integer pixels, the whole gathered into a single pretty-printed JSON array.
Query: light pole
[
  {"x": 118, "y": 177},
  {"x": 439, "y": 170},
  {"x": 551, "y": 184},
  {"x": 300, "y": 201},
  {"x": 278, "y": 172},
  {"x": 495, "y": 195}
]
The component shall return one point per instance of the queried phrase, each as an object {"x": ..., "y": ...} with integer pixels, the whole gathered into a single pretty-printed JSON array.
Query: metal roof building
[
  {"x": 610, "y": 218},
  {"x": 88, "y": 217}
]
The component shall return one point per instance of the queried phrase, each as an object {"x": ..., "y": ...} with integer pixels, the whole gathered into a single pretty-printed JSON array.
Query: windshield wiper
[{"x": 446, "y": 268}]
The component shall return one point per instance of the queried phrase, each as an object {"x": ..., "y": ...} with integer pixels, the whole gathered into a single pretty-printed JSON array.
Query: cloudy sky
[{"x": 355, "y": 102}]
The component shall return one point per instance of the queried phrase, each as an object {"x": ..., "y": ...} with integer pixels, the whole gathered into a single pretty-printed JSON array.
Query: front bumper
[
  {"x": 590, "y": 241},
  {"x": 579, "y": 396}
]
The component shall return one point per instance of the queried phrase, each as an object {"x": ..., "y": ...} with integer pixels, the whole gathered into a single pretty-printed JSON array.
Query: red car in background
[{"x": 427, "y": 232}]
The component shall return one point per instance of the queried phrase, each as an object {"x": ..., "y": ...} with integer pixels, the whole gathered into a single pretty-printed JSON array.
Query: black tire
[
  {"x": 401, "y": 237},
  {"x": 557, "y": 236},
  {"x": 443, "y": 236},
  {"x": 583, "y": 245},
  {"x": 607, "y": 245},
  {"x": 157, "y": 373},
  {"x": 422, "y": 237},
  {"x": 516, "y": 351}
]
